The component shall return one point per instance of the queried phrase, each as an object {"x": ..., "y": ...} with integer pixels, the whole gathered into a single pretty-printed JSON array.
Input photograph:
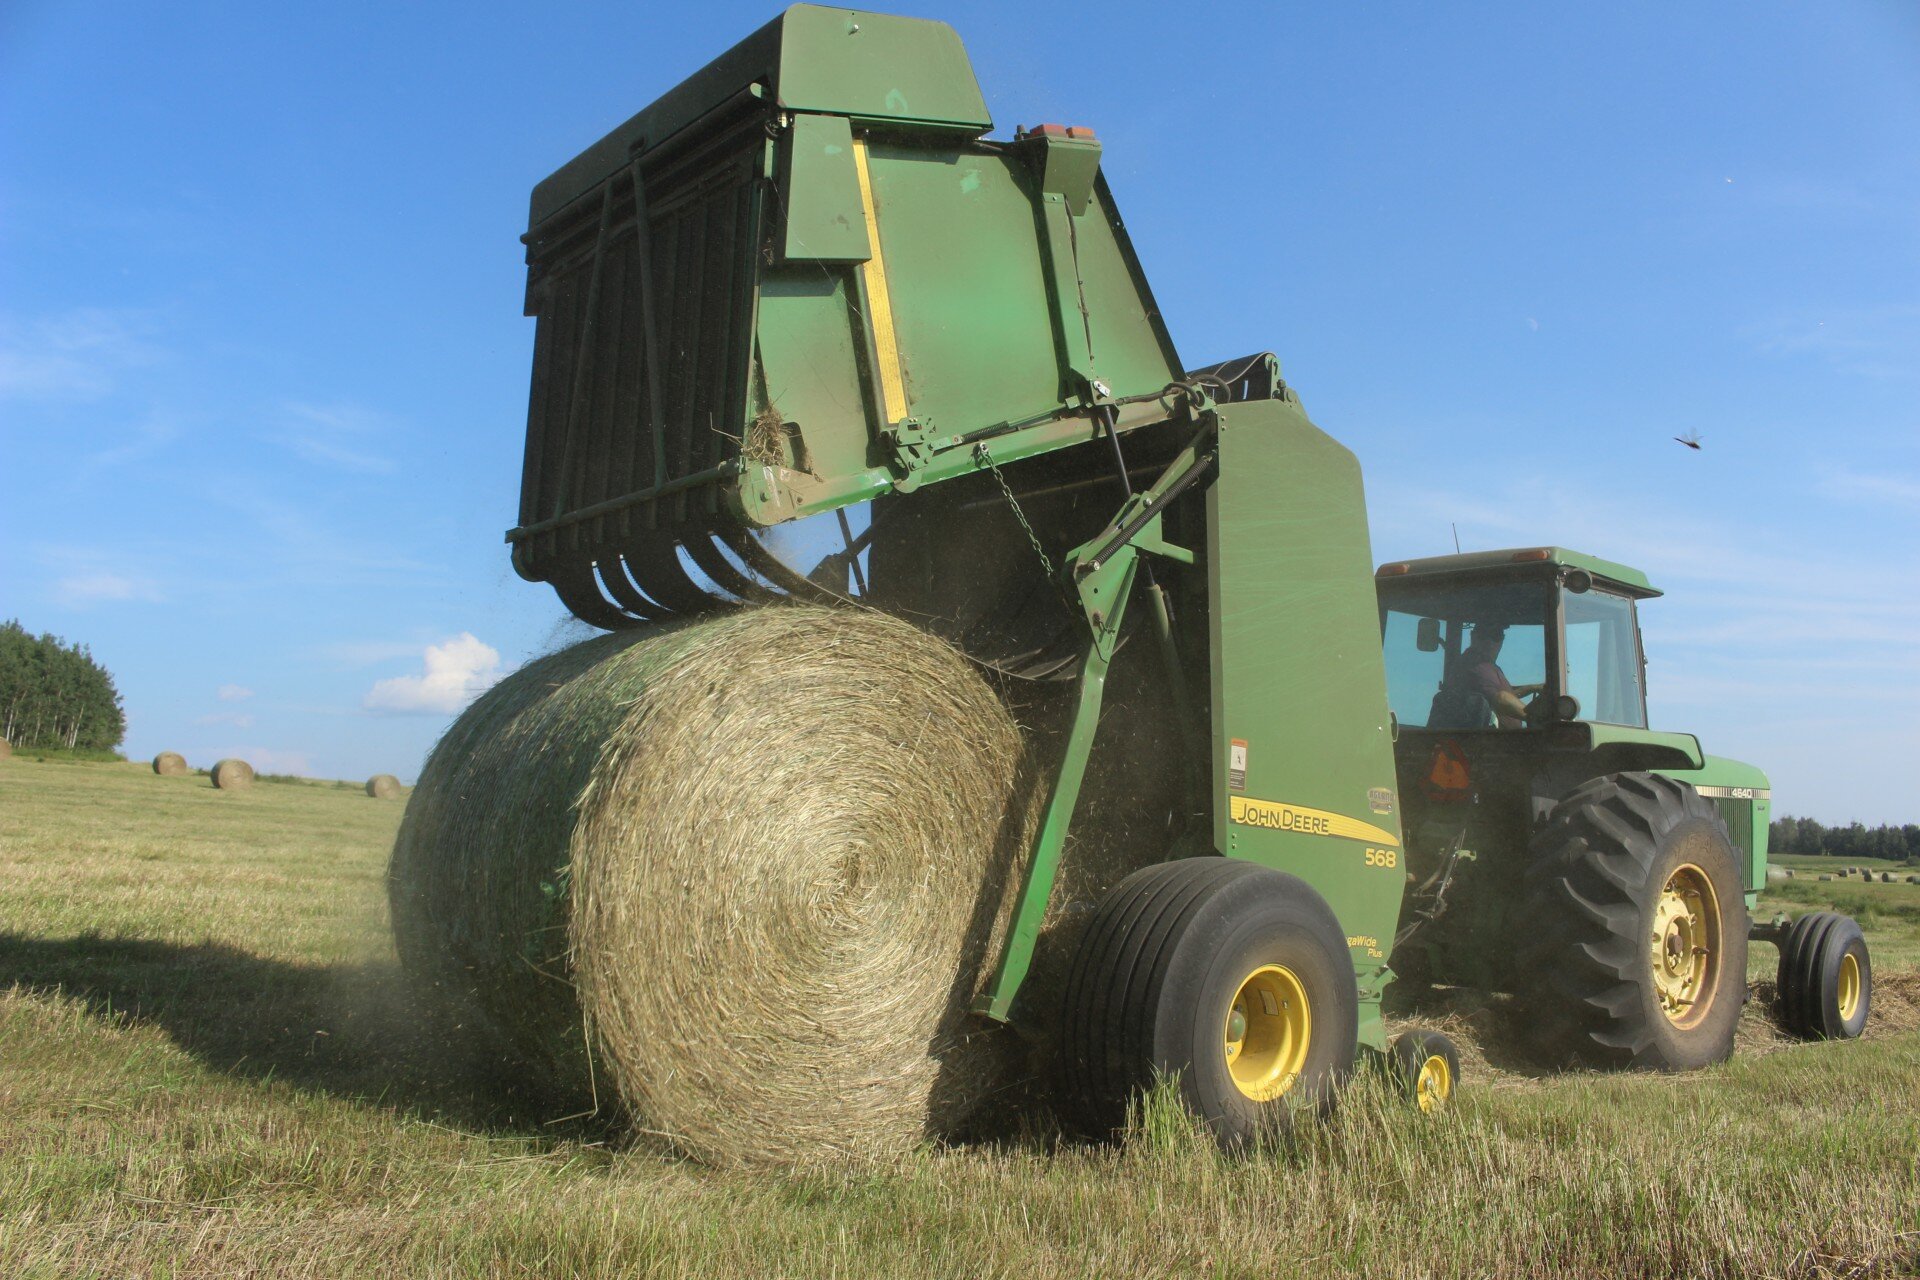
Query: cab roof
[{"x": 1614, "y": 574}]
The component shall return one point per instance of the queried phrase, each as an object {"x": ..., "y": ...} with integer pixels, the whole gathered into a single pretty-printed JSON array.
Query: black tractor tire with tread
[
  {"x": 1594, "y": 883},
  {"x": 1808, "y": 982},
  {"x": 1155, "y": 978}
]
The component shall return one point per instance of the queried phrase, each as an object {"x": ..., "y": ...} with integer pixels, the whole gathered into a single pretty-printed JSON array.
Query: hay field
[{"x": 205, "y": 1070}]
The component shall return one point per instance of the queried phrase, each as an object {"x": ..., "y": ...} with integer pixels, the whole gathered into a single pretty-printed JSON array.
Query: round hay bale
[
  {"x": 233, "y": 775},
  {"x": 1886, "y": 877},
  {"x": 1779, "y": 873},
  {"x": 768, "y": 853},
  {"x": 170, "y": 764},
  {"x": 383, "y": 786},
  {"x": 1789, "y": 871},
  {"x": 1824, "y": 879}
]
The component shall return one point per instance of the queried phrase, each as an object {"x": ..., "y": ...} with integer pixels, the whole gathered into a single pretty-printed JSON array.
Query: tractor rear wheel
[
  {"x": 1638, "y": 917},
  {"x": 1231, "y": 979}
]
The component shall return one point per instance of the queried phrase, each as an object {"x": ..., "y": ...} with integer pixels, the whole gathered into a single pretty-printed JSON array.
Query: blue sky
[{"x": 263, "y": 369}]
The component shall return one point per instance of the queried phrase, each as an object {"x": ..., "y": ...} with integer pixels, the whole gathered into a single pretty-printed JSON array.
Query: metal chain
[{"x": 1033, "y": 539}]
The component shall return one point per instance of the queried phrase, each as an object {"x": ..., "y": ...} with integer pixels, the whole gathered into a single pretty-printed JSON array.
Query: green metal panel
[
  {"x": 1744, "y": 795},
  {"x": 1302, "y": 759},
  {"x": 1648, "y": 748},
  {"x": 876, "y": 66},
  {"x": 907, "y": 72},
  {"x": 811, "y": 372},
  {"x": 966, "y": 270},
  {"x": 820, "y": 193}
]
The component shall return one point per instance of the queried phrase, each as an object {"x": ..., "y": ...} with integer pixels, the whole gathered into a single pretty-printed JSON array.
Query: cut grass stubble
[{"x": 225, "y": 1080}]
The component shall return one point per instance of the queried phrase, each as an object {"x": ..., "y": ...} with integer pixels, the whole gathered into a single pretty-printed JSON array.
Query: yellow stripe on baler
[{"x": 893, "y": 387}]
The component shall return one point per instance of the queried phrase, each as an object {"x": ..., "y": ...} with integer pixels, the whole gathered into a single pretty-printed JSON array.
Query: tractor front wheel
[
  {"x": 1229, "y": 978},
  {"x": 1825, "y": 978},
  {"x": 1638, "y": 919}
]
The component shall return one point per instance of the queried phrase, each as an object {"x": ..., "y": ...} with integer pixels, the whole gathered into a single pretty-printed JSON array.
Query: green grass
[
  {"x": 1890, "y": 913},
  {"x": 68, "y": 755},
  {"x": 205, "y": 1070}
]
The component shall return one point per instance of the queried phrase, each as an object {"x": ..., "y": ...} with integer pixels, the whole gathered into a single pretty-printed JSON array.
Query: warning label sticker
[{"x": 1237, "y": 765}]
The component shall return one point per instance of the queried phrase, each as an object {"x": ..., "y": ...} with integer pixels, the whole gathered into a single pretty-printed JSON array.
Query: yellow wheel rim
[
  {"x": 1269, "y": 1027},
  {"x": 1434, "y": 1085},
  {"x": 1685, "y": 946},
  {"x": 1849, "y": 987}
]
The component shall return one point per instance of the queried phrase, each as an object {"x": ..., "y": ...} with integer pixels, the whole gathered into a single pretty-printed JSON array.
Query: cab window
[
  {"x": 1603, "y": 659},
  {"x": 1437, "y": 676}
]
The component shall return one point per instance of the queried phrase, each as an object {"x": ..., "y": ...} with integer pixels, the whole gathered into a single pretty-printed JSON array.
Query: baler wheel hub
[
  {"x": 1435, "y": 1084},
  {"x": 1684, "y": 942},
  {"x": 1847, "y": 989},
  {"x": 1269, "y": 1029}
]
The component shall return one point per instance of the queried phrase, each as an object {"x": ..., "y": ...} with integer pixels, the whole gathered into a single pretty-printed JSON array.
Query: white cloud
[
  {"x": 366, "y": 653},
  {"x": 1899, "y": 490},
  {"x": 1874, "y": 342},
  {"x": 234, "y": 693},
  {"x": 102, "y": 586},
  {"x": 269, "y": 760},
  {"x": 144, "y": 440},
  {"x": 333, "y": 436},
  {"x": 75, "y": 355},
  {"x": 455, "y": 673}
]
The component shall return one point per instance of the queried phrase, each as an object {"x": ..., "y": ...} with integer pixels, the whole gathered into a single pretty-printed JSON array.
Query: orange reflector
[
  {"x": 1448, "y": 777},
  {"x": 1390, "y": 570},
  {"x": 1538, "y": 553}
]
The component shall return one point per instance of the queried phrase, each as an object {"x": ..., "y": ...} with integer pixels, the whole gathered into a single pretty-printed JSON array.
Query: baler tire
[
  {"x": 1154, "y": 984},
  {"x": 1813, "y": 959},
  {"x": 1426, "y": 1066},
  {"x": 1600, "y": 869}
]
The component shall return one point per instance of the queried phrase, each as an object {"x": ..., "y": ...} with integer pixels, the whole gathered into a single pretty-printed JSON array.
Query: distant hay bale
[
  {"x": 766, "y": 855},
  {"x": 1779, "y": 873},
  {"x": 383, "y": 786},
  {"x": 171, "y": 764},
  {"x": 1824, "y": 879},
  {"x": 233, "y": 775}
]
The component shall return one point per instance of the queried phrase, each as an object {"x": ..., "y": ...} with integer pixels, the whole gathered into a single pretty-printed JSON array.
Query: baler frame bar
[{"x": 1100, "y": 575}]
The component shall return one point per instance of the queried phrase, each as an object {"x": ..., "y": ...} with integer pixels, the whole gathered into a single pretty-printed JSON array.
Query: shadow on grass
[{"x": 347, "y": 1030}]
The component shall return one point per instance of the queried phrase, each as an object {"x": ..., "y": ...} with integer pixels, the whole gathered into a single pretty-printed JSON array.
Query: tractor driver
[{"x": 1478, "y": 672}]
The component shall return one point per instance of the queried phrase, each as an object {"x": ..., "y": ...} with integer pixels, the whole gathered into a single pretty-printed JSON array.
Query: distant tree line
[
  {"x": 53, "y": 694},
  {"x": 1804, "y": 835}
]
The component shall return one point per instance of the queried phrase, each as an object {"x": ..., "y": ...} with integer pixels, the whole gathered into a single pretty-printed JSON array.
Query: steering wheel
[{"x": 1542, "y": 710}]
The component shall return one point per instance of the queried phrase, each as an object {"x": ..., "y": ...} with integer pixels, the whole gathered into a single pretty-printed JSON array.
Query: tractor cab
[
  {"x": 1510, "y": 641},
  {"x": 1513, "y": 677}
]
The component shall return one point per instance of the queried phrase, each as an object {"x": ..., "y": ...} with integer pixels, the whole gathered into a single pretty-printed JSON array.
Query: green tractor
[
  {"x": 805, "y": 332},
  {"x": 1560, "y": 849}
]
